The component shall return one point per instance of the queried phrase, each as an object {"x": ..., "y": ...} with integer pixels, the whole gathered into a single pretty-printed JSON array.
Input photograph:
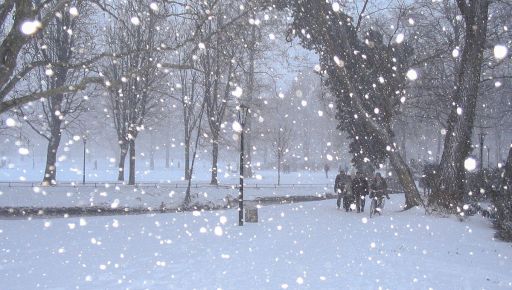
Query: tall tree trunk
[
  {"x": 449, "y": 189},
  {"x": 151, "y": 153},
  {"x": 438, "y": 149},
  {"x": 167, "y": 155},
  {"x": 404, "y": 150},
  {"x": 187, "y": 159},
  {"x": 278, "y": 169},
  {"x": 152, "y": 160},
  {"x": 131, "y": 178},
  {"x": 215, "y": 156},
  {"x": 50, "y": 172},
  {"x": 188, "y": 198},
  {"x": 122, "y": 157}
]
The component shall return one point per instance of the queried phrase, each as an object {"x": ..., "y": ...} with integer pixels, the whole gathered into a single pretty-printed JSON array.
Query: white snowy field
[
  {"x": 140, "y": 197},
  {"x": 227, "y": 173},
  {"x": 296, "y": 246},
  {"x": 153, "y": 190}
]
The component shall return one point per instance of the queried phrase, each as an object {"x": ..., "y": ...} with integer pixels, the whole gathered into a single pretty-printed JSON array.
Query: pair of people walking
[{"x": 355, "y": 190}]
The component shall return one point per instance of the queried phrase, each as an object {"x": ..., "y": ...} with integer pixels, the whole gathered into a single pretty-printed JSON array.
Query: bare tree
[
  {"x": 218, "y": 61},
  {"x": 30, "y": 19},
  {"x": 189, "y": 99},
  {"x": 281, "y": 140},
  {"x": 58, "y": 43},
  {"x": 131, "y": 97}
]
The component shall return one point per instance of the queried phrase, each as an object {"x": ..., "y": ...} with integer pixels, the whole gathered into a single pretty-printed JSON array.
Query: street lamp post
[
  {"x": 242, "y": 118},
  {"x": 83, "y": 169}
]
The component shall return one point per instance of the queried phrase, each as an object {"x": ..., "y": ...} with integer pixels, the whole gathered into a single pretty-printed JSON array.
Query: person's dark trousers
[
  {"x": 338, "y": 202},
  {"x": 360, "y": 200}
]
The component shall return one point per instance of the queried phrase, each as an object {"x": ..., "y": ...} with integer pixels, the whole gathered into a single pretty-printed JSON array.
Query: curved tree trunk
[
  {"x": 404, "y": 175},
  {"x": 334, "y": 39},
  {"x": 50, "y": 172},
  {"x": 448, "y": 191},
  {"x": 122, "y": 158}
]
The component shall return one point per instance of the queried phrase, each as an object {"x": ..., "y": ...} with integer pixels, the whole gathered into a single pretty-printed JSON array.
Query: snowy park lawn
[
  {"x": 154, "y": 190},
  {"x": 138, "y": 197},
  {"x": 296, "y": 246}
]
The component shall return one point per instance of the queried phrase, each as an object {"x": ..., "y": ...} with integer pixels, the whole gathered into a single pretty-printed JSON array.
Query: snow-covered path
[{"x": 298, "y": 246}]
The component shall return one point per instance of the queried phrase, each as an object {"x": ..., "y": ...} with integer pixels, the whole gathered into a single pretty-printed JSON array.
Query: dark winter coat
[
  {"x": 360, "y": 186},
  {"x": 379, "y": 184},
  {"x": 340, "y": 183}
]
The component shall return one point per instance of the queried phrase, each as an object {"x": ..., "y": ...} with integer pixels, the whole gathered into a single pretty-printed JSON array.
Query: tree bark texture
[
  {"x": 122, "y": 158},
  {"x": 50, "y": 172},
  {"x": 215, "y": 157},
  {"x": 131, "y": 178}
]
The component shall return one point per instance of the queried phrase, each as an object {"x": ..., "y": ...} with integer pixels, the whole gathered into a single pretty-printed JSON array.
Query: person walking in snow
[
  {"x": 379, "y": 186},
  {"x": 360, "y": 190},
  {"x": 340, "y": 184},
  {"x": 326, "y": 169}
]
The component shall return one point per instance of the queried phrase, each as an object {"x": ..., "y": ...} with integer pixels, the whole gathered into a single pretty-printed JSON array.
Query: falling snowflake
[
  {"x": 237, "y": 92},
  {"x": 10, "y": 122},
  {"x": 500, "y": 51},
  {"x": 336, "y": 7},
  {"x": 399, "y": 38},
  {"x": 115, "y": 203},
  {"x": 153, "y": 6},
  {"x": 30, "y": 27},
  {"x": 412, "y": 74},
  {"x": 23, "y": 151},
  {"x": 455, "y": 52},
  {"x": 236, "y": 127},
  {"x": 135, "y": 20},
  {"x": 218, "y": 231},
  {"x": 470, "y": 164},
  {"x": 73, "y": 11}
]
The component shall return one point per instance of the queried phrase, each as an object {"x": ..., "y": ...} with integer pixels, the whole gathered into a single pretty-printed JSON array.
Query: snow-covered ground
[
  {"x": 227, "y": 173},
  {"x": 297, "y": 246},
  {"x": 154, "y": 190}
]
